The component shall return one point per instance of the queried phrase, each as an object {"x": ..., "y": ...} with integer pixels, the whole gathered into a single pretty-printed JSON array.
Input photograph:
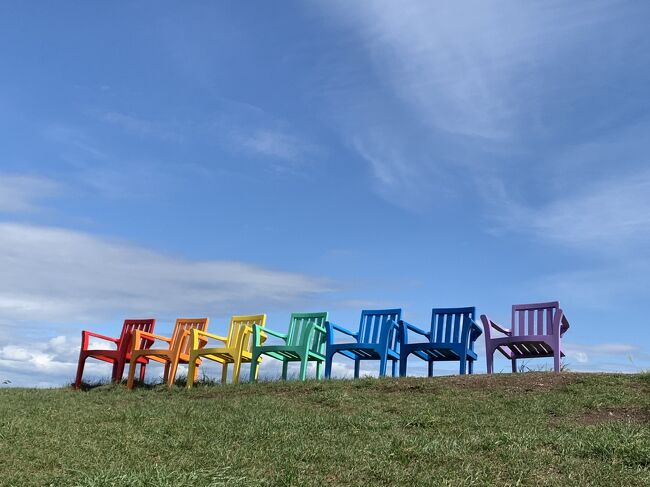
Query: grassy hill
[{"x": 526, "y": 429}]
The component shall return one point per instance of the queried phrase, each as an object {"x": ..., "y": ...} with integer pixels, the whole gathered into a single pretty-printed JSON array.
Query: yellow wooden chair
[
  {"x": 236, "y": 347},
  {"x": 177, "y": 351}
]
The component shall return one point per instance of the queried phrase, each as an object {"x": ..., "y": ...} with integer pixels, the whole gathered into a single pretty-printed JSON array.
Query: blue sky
[{"x": 166, "y": 160}]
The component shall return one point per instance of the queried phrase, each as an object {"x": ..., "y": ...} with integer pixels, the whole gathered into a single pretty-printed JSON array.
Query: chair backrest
[
  {"x": 182, "y": 325},
  {"x": 372, "y": 322},
  {"x": 238, "y": 329},
  {"x": 300, "y": 326},
  {"x": 534, "y": 319},
  {"x": 447, "y": 324},
  {"x": 129, "y": 327}
]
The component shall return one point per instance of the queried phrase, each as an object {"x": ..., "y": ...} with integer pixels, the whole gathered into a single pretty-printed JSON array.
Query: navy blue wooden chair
[
  {"x": 451, "y": 338},
  {"x": 378, "y": 338}
]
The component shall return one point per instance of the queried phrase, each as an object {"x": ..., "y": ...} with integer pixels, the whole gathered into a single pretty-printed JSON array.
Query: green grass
[{"x": 525, "y": 429}]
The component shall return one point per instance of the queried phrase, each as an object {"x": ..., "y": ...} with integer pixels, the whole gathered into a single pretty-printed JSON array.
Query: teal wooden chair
[{"x": 304, "y": 342}]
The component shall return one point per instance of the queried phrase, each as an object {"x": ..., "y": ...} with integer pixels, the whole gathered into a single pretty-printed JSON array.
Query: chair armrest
[
  {"x": 333, "y": 326},
  {"x": 475, "y": 331},
  {"x": 260, "y": 332},
  {"x": 565, "y": 324},
  {"x": 85, "y": 335},
  {"x": 497, "y": 327},
  {"x": 140, "y": 336},
  {"x": 419, "y": 331},
  {"x": 205, "y": 334}
]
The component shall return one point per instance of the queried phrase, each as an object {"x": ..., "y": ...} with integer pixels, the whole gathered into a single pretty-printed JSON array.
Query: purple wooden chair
[{"x": 535, "y": 333}]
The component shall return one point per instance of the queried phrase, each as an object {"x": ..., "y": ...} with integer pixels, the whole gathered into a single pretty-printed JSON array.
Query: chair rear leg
[
  {"x": 357, "y": 368},
  {"x": 143, "y": 369},
  {"x": 470, "y": 366},
  {"x": 514, "y": 365},
  {"x": 394, "y": 368},
  {"x": 430, "y": 368}
]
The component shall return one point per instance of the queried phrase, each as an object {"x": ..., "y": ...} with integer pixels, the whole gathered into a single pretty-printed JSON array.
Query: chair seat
[
  {"x": 224, "y": 355},
  {"x": 524, "y": 347},
  {"x": 110, "y": 355},
  {"x": 438, "y": 351},
  {"x": 292, "y": 354},
  {"x": 361, "y": 351}
]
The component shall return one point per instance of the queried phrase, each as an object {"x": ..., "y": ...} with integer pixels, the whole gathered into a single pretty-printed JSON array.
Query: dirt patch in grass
[{"x": 605, "y": 415}]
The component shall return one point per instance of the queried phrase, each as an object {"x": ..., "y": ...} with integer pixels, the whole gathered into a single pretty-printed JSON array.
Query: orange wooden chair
[{"x": 177, "y": 351}]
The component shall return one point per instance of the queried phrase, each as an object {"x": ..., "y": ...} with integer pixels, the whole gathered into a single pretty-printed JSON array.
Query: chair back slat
[
  {"x": 182, "y": 341},
  {"x": 241, "y": 329},
  {"x": 129, "y": 326},
  {"x": 300, "y": 327},
  {"x": 534, "y": 319},
  {"x": 447, "y": 324},
  {"x": 372, "y": 322}
]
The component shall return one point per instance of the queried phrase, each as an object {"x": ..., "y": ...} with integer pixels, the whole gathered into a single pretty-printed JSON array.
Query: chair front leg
[
  {"x": 173, "y": 368},
  {"x": 285, "y": 369},
  {"x": 394, "y": 368},
  {"x": 224, "y": 373},
  {"x": 235, "y": 370},
  {"x": 80, "y": 370},
  {"x": 131, "y": 379},
  {"x": 303, "y": 368},
  {"x": 328, "y": 366},
  {"x": 430, "y": 368},
  {"x": 357, "y": 368},
  {"x": 319, "y": 369}
]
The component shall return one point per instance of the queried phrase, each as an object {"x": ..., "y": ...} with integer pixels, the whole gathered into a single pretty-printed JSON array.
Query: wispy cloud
[
  {"x": 275, "y": 144},
  {"x": 141, "y": 126},
  {"x": 606, "y": 216},
  {"x": 21, "y": 193}
]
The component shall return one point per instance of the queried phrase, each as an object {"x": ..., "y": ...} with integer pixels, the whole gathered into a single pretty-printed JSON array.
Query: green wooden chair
[{"x": 304, "y": 342}]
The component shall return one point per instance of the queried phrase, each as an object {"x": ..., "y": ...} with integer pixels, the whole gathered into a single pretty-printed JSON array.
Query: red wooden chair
[{"x": 121, "y": 355}]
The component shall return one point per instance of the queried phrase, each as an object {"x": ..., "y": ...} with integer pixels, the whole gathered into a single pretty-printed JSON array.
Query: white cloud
[
  {"x": 20, "y": 193},
  {"x": 61, "y": 275},
  {"x": 604, "y": 216}
]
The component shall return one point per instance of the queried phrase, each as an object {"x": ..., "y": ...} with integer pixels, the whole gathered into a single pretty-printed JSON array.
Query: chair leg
[
  {"x": 235, "y": 371},
  {"x": 470, "y": 366},
  {"x": 143, "y": 368},
  {"x": 463, "y": 365},
  {"x": 303, "y": 368},
  {"x": 191, "y": 371},
  {"x": 430, "y": 368},
  {"x": 285, "y": 369},
  {"x": 80, "y": 371},
  {"x": 319, "y": 369},
  {"x": 252, "y": 377},
  {"x": 328, "y": 366},
  {"x": 489, "y": 359},
  {"x": 382, "y": 367},
  {"x": 357, "y": 368},
  {"x": 130, "y": 380},
  {"x": 394, "y": 368},
  {"x": 173, "y": 368},
  {"x": 557, "y": 356},
  {"x": 166, "y": 372},
  {"x": 514, "y": 365},
  {"x": 403, "y": 362},
  {"x": 224, "y": 373}
]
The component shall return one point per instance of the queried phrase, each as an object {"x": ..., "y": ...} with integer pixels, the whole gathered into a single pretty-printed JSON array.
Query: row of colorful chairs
[{"x": 382, "y": 335}]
